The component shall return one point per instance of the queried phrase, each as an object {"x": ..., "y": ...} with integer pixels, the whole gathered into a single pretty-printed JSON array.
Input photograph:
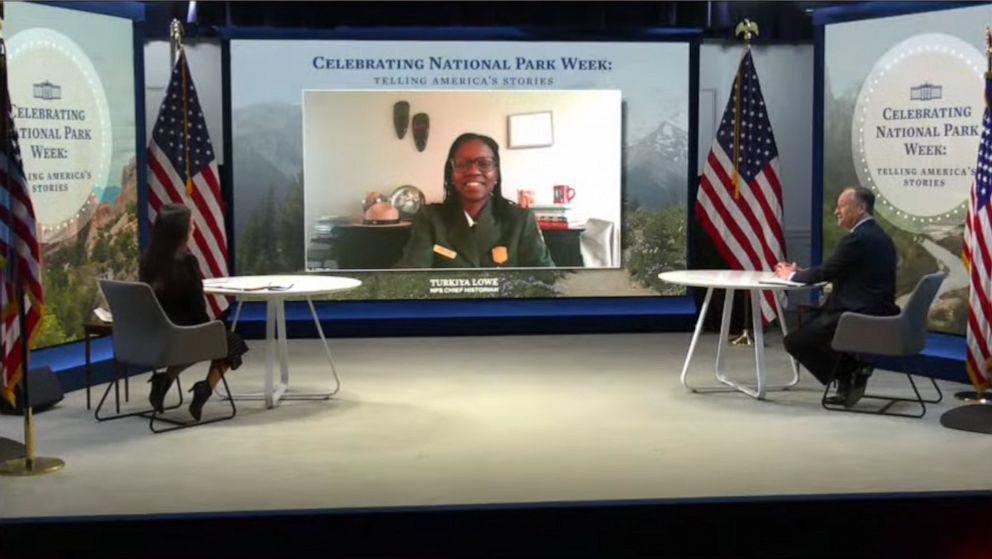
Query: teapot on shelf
[
  {"x": 525, "y": 198},
  {"x": 379, "y": 210}
]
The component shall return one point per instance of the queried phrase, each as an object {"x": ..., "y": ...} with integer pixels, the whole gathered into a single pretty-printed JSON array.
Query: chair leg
[
  {"x": 117, "y": 386},
  {"x": 940, "y": 395},
  {"x": 826, "y": 389},
  {"x": 889, "y": 401},
  {"x": 177, "y": 424},
  {"x": 113, "y": 384}
]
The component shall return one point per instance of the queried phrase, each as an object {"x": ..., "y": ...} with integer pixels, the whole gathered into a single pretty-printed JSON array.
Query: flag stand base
[
  {"x": 972, "y": 397},
  {"x": 743, "y": 339},
  {"x": 976, "y": 418},
  {"x": 35, "y": 467},
  {"x": 9, "y": 448}
]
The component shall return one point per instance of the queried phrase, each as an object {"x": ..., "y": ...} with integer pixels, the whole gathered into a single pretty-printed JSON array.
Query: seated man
[{"x": 863, "y": 272}]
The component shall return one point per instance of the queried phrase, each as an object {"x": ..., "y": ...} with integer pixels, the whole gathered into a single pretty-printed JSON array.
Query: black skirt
[{"x": 236, "y": 347}]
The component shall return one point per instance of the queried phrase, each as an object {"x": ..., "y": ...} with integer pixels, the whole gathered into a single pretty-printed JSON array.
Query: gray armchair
[
  {"x": 902, "y": 335},
  {"x": 145, "y": 337}
]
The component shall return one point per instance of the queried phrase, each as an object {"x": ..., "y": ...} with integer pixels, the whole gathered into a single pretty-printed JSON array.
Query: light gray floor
[{"x": 440, "y": 421}]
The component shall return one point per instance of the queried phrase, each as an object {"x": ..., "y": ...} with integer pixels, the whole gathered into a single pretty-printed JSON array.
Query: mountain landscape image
[
  {"x": 655, "y": 193},
  {"x": 106, "y": 246},
  {"x": 657, "y": 165},
  {"x": 268, "y": 156}
]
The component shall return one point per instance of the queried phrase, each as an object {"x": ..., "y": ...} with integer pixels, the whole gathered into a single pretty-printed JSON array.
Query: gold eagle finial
[
  {"x": 748, "y": 28},
  {"x": 176, "y": 32}
]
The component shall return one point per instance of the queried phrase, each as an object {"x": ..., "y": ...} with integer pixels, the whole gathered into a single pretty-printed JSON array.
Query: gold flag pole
[
  {"x": 176, "y": 33},
  {"x": 749, "y": 29},
  {"x": 28, "y": 465},
  {"x": 977, "y": 396}
]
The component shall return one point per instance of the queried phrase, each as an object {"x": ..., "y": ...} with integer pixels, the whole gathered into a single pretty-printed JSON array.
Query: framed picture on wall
[{"x": 530, "y": 130}]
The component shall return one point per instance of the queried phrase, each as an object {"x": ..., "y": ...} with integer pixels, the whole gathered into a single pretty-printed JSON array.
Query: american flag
[
  {"x": 978, "y": 258},
  {"x": 183, "y": 170},
  {"x": 19, "y": 250},
  {"x": 741, "y": 208}
]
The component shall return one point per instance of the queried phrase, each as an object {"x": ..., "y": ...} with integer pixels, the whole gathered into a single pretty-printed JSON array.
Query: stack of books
[{"x": 551, "y": 218}]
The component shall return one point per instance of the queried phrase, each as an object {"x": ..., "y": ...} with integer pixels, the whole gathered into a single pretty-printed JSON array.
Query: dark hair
[
  {"x": 865, "y": 196},
  {"x": 451, "y": 196},
  {"x": 168, "y": 239}
]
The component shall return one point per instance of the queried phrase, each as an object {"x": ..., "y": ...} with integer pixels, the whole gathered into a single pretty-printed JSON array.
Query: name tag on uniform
[{"x": 445, "y": 252}]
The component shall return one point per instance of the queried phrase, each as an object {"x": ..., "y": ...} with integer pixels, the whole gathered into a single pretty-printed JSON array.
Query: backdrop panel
[
  {"x": 72, "y": 90},
  {"x": 635, "y": 190},
  {"x": 902, "y": 116}
]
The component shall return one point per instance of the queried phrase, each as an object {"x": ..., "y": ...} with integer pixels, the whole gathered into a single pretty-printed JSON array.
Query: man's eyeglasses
[{"x": 483, "y": 164}]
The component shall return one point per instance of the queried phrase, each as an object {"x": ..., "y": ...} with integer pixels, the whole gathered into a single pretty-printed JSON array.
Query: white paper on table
[
  {"x": 239, "y": 284},
  {"x": 103, "y": 314},
  {"x": 780, "y": 281}
]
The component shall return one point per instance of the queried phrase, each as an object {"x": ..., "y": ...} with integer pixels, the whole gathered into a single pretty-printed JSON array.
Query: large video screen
[
  {"x": 575, "y": 155},
  {"x": 71, "y": 77},
  {"x": 902, "y": 116}
]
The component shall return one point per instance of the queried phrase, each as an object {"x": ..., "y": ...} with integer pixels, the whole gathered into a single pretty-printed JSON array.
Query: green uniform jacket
[{"x": 460, "y": 246}]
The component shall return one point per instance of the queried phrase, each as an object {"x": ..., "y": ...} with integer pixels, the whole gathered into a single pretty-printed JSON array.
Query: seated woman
[
  {"x": 174, "y": 275},
  {"x": 474, "y": 227}
]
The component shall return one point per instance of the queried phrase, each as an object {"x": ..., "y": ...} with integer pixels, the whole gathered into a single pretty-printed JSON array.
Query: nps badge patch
[{"x": 499, "y": 255}]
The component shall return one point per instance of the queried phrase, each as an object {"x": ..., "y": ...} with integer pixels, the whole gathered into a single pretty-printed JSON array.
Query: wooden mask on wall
[
  {"x": 421, "y": 129},
  {"x": 401, "y": 118}
]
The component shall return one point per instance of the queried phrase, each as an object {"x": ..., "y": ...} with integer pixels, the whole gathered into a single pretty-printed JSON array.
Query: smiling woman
[{"x": 475, "y": 226}]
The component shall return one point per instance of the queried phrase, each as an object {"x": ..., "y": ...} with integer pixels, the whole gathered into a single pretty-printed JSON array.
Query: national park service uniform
[{"x": 442, "y": 238}]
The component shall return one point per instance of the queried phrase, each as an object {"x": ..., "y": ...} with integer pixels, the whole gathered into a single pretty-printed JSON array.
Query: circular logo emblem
[
  {"x": 916, "y": 127},
  {"x": 63, "y": 125}
]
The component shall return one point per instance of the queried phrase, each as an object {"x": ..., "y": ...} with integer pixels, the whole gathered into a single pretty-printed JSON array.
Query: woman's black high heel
[
  {"x": 161, "y": 383},
  {"x": 201, "y": 393}
]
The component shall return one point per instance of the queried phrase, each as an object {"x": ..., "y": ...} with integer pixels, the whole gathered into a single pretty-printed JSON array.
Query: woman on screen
[
  {"x": 174, "y": 275},
  {"x": 474, "y": 227}
]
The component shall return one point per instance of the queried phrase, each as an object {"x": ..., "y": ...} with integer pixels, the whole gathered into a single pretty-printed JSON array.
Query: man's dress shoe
[
  {"x": 858, "y": 384},
  {"x": 839, "y": 397}
]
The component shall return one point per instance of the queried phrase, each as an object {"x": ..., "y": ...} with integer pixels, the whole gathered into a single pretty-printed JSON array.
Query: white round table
[
  {"x": 275, "y": 291},
  {"x": 731, "y": 280}
]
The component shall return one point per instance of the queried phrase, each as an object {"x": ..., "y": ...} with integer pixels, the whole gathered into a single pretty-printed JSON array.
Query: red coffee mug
[{"x": 563, "y": 193}]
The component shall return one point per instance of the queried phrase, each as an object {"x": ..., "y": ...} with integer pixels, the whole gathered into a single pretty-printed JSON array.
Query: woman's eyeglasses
[{"x": 483, "y": 164}]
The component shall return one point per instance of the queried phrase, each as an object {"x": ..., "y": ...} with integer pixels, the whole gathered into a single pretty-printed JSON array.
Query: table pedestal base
[
  {"x": 281, "y": 392},
  {"x": 275, "y": 342},
  {"x": 759, "y": 389}
]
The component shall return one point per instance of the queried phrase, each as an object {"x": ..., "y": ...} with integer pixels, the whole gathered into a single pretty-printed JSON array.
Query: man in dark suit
[{"x": 862, "y": 270}]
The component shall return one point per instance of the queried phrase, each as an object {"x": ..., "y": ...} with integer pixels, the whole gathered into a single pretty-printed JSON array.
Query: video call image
[{"x": 391, "y": 179}]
